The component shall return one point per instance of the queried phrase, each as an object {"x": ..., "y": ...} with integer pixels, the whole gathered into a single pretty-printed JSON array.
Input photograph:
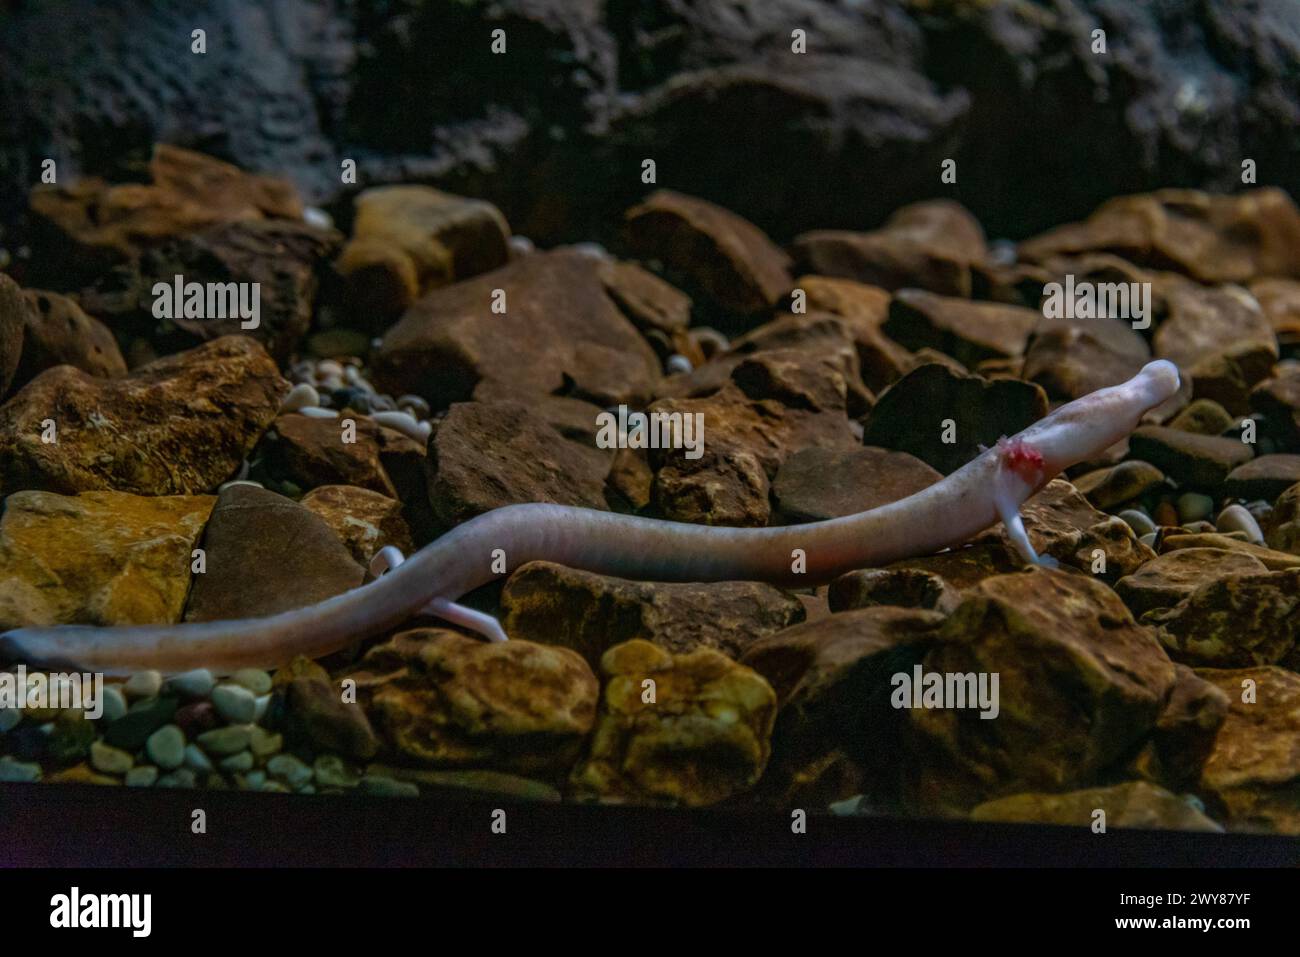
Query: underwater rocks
[
  {"x": 14, "y": 310},
  {"x": 443, "y": 699},
  {"x": 364, "y": 521},
  {"x": 60, "y": 333},
  {"x": 98, "y": 558},
  {"x": 691, "y": 728},
  {"x": 817, "y": 483},
  {"x": 1201, "y": 461},
  {"x": 1132, "y": 804},
  {"x": 1169, "y": 578},
  {"x": 590, "y": 613},
  {"x": 1237, "y": 620},
  {"x": 1108, "y": 487},
  {"x": 1071, "y": 357},
  {"x": 1265, "y": 477},
  {"x": 319, "y": 714},
  {"x": 178, "y": 426},
  {"x": 311, "y": 451},
  {"x": 968, "y": 331}
]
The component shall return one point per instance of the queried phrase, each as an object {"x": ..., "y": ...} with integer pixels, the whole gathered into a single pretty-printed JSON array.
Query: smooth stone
[
  {"x": 332, "y": 772},
  {"x": 405, "y": 423},
  {"x": 12, "y": 770},
  {"x": 192, "y": 684},
  {"x": 1193, "y": 506},
  {"x": 264, "y": 743},
  {"x": 195, "y": 759},
  {"x": 413, "y": 404},
  {"x": 143, "y": 684},
  {"x": 301, "y": 396},
  {"x": 141, "y": 776},
  {"x": 10, "y": 719},
  {"x": 316, "y": 412},
  {"x": 110, "y": 760},
  {"x": 114, "y": 703},
  {"x": 275, "y": 787},
  {"x": 1149, "y": 539},
  {"x": 166, "y": 747},
  {"x": 1140, "y": 522},
  {"x": 677, "y": 364},
  {"x": 290, "y": 770},
  {"x": 254, "y": 679},
  {"x": 253, "y": 780},
  {"x": 243, "y": 761},
  {"x": 180, "y": 778},
  {"x": 144, "y": 718},
  {"x": 387, "y": 787},
  {"x": 260, "y": 706},
  {"x": 229, "y": 740},
  {"x": 235, "y": 703},
  {"x": 1235, "y": 518}
]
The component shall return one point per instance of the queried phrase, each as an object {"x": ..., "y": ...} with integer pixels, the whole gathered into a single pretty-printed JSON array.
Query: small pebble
[
  {"x": 319, "y": 413},
  {"x": 260, "y": 707},
  {"x": 110, "y": 760},
  {"x": 253, "y": 780},
  {"x": 192, "y": 684},
  {"x": 1149, "y": 539},
  {"x": 166, "y": 747},
  {"x": 301, "y": 396},
  {"x": 849, "y": 806},
  {"x": 1139, "y": 521},
  {"x": 243, "y": 761},
  {"x": 235, "y": 703},
  {"x": 328, "y": 367},
  {"x": 388, "y": 787},
  {"x": 264, "y": 743},
  {"x": 254, "y": 679},
  {"x": 1193, "y": 506},
  {"x": 180, "y": 778},
  {"x": 331, "y": 772},
  {"x": 114, "y": 703},
  {"x": 1165, "y": 514},
  {"x": 18, "y": 771},
  {"x": 228, "y": 740},
  {"x": 315, "y": 216},
  {"x": 195, "y": 759},
  {"x": 677, "y": 363},
  {"x": 413, "y": 404},
  {"x": 289, "y": 769},
  {"x": 520, "y": 245},
  {"x": 382, "y": 403},
  {"x": 9, "y": 719},
  {"x": 404, "y": 423},
  {"x": 1235, "y": 518},
  {"x": 354, "y": 399},
  {"x": 141, "y": 776},
  {"x": 274, "y": 787},
  {"x": 143, "y": 684}
]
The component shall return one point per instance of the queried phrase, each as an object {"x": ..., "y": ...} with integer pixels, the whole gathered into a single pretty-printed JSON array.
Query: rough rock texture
[
  {"x": 1265, "y": 477},
  {"x": 1108, "y": 487},
  {"x": 14, "y": 319},
  {"x": 443, "y": 699},
  {"x": 1185, "y": 730},
  {"x": 98, "y": 558},
  {"x": 817, "y": 483},
  {"x": 1071, "y": 357},
  {"x": 267, "y": 554},
  {"x": 1201, "y": 461},
  {"x": 363, "y": 520},
  {"x": 311, "y": 451},
  {"x": 1133, "y": 804},
  {"x": 1279, "y": 399},
  {"x": 60, "y": 333},
  {"x": 317, "y": 716},
  {"x": 1234, "y": 621},
  {"x": 905, "y": 587},
  {"x": 968, "y": 331},
  {"x": 560, "y": 332},
  {"x": 180, "y": 425},
  {"x": 1080, "y": 683},
  {"x": 1204, "y": 417},
  {"x": 1271, "y": 559},
  {"x": 698, "y": 734},
  {"x": 1254, "y": 769},
  {"x": 661, "y": 311},
  {"x": 1173, "y": 576},
  {"x": 1282, "y": 531},
  {"x": 590, "y": 613}
]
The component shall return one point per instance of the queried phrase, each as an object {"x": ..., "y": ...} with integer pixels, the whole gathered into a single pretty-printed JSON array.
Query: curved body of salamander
[{"x": 988, "y": 489}]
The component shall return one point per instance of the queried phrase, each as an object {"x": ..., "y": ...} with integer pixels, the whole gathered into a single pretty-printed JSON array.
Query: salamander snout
[{"x": 1161, "y": 378}]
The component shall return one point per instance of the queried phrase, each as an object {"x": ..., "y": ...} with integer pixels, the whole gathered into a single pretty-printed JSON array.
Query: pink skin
[{"x": 988, "y": 489}]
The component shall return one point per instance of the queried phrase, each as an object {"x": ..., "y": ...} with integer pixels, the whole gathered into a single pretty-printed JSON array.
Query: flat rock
[
  {"x": 863, "y": 309},
  {"x": 1279, "y": 399},
  {"x": 98, "y": 558},
  {"x": 728, "y": 257},
  {"x": 1254, "y": 769},
  {"x": 267, "y": 554},
  {"x": 1236, "y": 621},
  {"x": 179, "y": 425},
  {"x": 311, "y": 452},
  {"x": 60, "y": 333},
  {"x": 14, "y": 319},
  {"x": 1204, "y": 417},
  {"x": 1280, "y": 300},
  {"x": 1270, "y": 558},
  {"x": 1070, "y": 358},
  {"x": 968, "y": 331},
  {"x": 817, "y": 483},
  {"x": 930, "y": 245},
  {"x": 705, "y": 737},
  {"x": 1282, "y": 529},
  {"x": 1080, "y": 684},
  {"x": 1199, "y": 461},
  {"x": 1132, "y": 804},
  {"x": 1265, "y": 477},
  {"x": 589, "y": 613},
  {"x": 440, "y": 698},
  {"x": 560, "y": 332},
  {"x": 660, "y": 310},
  {"x": 1169, "y": 578},
  {"x": 910, "y": 415},
  {"x": 1108, "y": 487},
  {"x": 902, "y": 587},
  {"x": 316, "y": 713},
  {"x": 363, "y": 520},
  {"x": 483, "y": 455}
]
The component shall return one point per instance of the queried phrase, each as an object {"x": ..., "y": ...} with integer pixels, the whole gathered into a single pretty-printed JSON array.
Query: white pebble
[
  {"x": 328, "y": 367},
  {"x": 404, "y": 423},
  {"x": 254, "y": 679},
  {"x": 235, "y": 703},
  {"x": 143, "y": 684},
  {"x": 315, "y": 412},
  {"x": 1149, "y": 539},
  {"x": 260, "y": 705},
  {"x": 315, "y": 216},
  {"x": 1235, "y": 518},
  {"x": 300, "y": 397},
  {"x": 192, "y": 684},
  {"x": 677, "y": 363},
  {"x": 166, "y": 747}
]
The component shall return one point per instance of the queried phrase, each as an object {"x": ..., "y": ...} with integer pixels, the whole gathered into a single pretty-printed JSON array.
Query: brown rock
[
  {"x": 317, "y": 715},
  {"x": 1236, "y": 621},
  {"x": 99, "y": 558},
  {"x": 1108, "y": 487},
  {"x": 1254, "y": 769},
  {"x": 1279, "y": 399},
  {"x": 443, "y": 699},
  {"x": 629, "y": 482},
  {"x": 179, "y": 425},
  {"x": 703, "y": 738},
  {"x": 1080, "y": 684},
  {"x": 661, "y": 311},
  {"x": 728, "y": 257},
  {"x": 560, "y": 332},
  {"x": 1282, "y": 529},
  {"x": 60, "y": 333},
  {"x": 1204, "y": 417},
  {"x": 1185, "y": 731},
  {"x": 1200, "y": 461},
  {"x": 14, "y": 319},
  {"x": 931, "y": 245},
  {"x": 965, "y": 567},
  {"x": 903, "y": 587},
  {"x": 311, "y": 452},
  {"x": 1169, "y": 578},
  {"x": 1280, "y": 300},
  {"x": 1265, "y": 477},
  {"x": 910, "y": 415},
  {"x": 484, "y": 455},
  {"x": 363, "y": 520},
  {"x": 1070, "y": 358},
  {"x": 863, "y": 310},
  {"x": 968, "y": 331},
  {"x": 1132, "y": 804},
  {"x": 817, "y": 483},
  {"x": 267, "y": 554},
  {"x": 1271, "y": 559},
  {"x": 589, "y": 613}
]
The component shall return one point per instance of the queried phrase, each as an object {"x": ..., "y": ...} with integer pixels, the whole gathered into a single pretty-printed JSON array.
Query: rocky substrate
[{"x": 161, "y": 471}]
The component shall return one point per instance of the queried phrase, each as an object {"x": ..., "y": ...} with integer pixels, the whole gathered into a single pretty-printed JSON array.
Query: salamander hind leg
[{"x": 389, "y": 557}]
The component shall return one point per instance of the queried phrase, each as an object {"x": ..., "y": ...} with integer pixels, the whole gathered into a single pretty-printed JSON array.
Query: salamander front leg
[{"x": 388, "y": 558}]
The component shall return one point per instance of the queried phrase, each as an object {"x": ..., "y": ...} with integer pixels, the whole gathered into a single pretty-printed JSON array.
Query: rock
[
  {"x": 1199, "y": 461},
  {"x": 15, "y": 317},
  {"x": 1234, "y": 621},
  {"x": 1169, "y": 578},
  {"x": 1282, "y": 531},
  {"x": 330, "y": 771},
  {"x": 407, "y": 240},
  {"x": 316, "y": 713},
  {"x": 142, "y": 684},
  {"x": 58, "y": 333},
  {"x": 661, "y": 311},
  {"x": 1212, "y": 239},
  {"x": 560, "y": 332},
  {"x": 1280, "y": 301},
  {"x": 380, "y": 786},
  {"x": 1204, "y": 417},
  {"x": 910, "y": 415},
  {"x": 968, "y": 331},
  {"x": 1070, "y": 358},
  {"x": 114, "y": 703},
  {"x": 1278, "y": 399},
  {"x": 311, "y": 452},
  {"x": 704, "y": 738},
  {"x": 904, "y": 587},
  {"x": 98, "y": 558},
  {"x": 226, "y": 741},
  {"x": 443, "y": 699},
  {"x": 166, "y": 747},
  {"x": 234, "y": 703},
  {"x": 132, "y": 730},
  {"x": 817, "y": 483},
  {"x": 1108, "y": 487},
  {"x": 1185, "y": 731},
  {"x": 110, "y": 760},
  {"x": 178, "y": 426},
  {"x": 1254, "y": 767},
  {"x": 1271, "y": 559},
  {"x": 487, "y": 454},
  {"x": 1132, "y": 804},
  {"x": 22, "y": 772},
  {"x": 930, "y": 245},
  {"x": 474, "y": 783},
  {"x": 290, "y": 770},
  {"x": 141, "y": 776},
  {"x": 729, "y": 258},
  {"x": 1265, "y": 477},
  {"x": 589, "y": 613},
  {"x": 1194, "y": 507},
  {"x": 1235, "y": 518},
  {"x": 267, "y": 554},
  {"x": 1080, "y": 684},
  {"x": 364, "y": 521}
]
